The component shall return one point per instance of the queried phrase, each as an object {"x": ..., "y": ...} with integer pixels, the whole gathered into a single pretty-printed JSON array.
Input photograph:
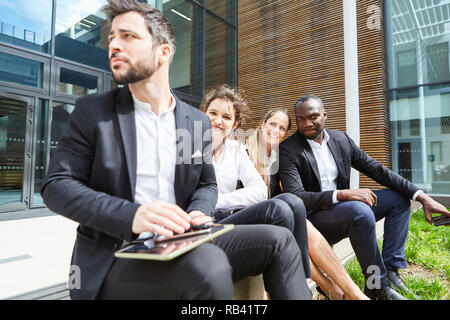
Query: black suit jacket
[
  {"x": 299, "y": 173},
  {"x": 92, "y": 177}
]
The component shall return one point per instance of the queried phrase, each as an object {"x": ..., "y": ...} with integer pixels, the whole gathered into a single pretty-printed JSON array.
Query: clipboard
[{"x": 170, "y": 249}]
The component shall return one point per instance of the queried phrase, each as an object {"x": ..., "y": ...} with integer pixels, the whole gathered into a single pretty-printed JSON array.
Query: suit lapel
[
  {"x": 307, "y": 151},
  {"x": 127, "y": 124}
]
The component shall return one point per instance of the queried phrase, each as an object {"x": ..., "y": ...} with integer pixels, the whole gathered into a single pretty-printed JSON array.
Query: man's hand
[
  {"x": 363, "y": 195},
  {"x": 199, "y": 217},
  {"x": 162, "y": 218},
  {"x": 431, "y": 206}
]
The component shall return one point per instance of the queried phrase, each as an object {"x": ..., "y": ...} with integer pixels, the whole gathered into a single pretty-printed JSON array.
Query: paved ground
[{"x": 34, "y": 253}]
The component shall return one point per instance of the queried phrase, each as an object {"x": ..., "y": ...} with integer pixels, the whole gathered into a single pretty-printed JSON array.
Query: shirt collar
[
  {"x": 147, "y": 107},
  {"x": 326, "y": 138}
]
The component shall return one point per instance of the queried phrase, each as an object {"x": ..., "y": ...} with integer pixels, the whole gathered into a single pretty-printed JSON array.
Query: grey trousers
[{"x": 209, "y": 271}]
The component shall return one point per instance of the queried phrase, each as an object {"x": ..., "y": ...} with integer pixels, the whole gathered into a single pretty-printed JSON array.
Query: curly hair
[{"x": 232, "y": 94}]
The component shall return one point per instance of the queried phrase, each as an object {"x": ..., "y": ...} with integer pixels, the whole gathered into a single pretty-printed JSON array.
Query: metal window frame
[
  {"x": 33, "y": 57},
  {"x": 57, "y": 69}
]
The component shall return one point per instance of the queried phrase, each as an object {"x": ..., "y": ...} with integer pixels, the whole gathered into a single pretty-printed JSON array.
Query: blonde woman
[{"x": 262, "y": 147}]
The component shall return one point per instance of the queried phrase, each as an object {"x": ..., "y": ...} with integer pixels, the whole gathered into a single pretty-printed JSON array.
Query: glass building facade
[
  {"x": 54, "y": 51},
  {"x": 418, "y": 41}
]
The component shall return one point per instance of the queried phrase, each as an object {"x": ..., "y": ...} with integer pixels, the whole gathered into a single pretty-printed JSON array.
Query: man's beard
[
  {"x": 315, "y": 136},
  {"x": 138, "y": 72}
]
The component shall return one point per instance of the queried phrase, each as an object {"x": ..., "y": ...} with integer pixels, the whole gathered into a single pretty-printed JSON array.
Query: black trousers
[
  {"x": 285, "y": 210},
  {"x": 209, "y": 271}
]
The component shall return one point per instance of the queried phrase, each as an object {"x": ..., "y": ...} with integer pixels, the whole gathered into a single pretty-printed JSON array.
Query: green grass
[{"x": 428, "y": 248}]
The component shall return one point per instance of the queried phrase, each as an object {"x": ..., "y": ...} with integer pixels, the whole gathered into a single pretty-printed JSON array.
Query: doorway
[{"x": 16, "y": 120}]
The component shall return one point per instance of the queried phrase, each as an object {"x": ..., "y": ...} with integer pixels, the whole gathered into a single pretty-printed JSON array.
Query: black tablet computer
[{"x": 165, "y": 249}]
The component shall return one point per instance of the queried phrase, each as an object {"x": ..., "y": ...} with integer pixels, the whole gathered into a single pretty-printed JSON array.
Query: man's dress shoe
[
  {"x": 396, "y": 282},
  {"x": 386, "y": 293}
]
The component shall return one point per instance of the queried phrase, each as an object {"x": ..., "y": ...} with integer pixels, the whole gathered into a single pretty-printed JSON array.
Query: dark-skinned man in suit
[{"x": 315, "y": 165}]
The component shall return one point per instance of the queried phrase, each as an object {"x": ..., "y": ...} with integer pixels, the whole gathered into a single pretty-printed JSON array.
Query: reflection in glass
[
  {"x": 40, "y": 147},
  {"x": 437, "y": 61},
  {"x": 418, "y": 39},
  {"x": 421, "y": 138},
  {"x": 82, "y": 32},
  {"x": 26, "y": 24},
  {"x": 76, "y": 83},
  {"x": 220, "y": 58},
  {"x": 419, "y": 81},
  {"x": 60, "y": 117},
  {"x": 180, "y": 15},
  {"x": 12, "y": 149},
  {"x": 223, "y": 8},
  {"x": 21, "y": 70},
  {"x": 206, "y": 50}
]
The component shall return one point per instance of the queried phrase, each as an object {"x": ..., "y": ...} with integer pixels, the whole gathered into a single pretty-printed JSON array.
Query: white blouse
[{"x": 234, "y": 164}]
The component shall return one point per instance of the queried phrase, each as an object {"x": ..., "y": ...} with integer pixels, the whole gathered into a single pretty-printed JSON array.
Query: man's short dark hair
[
  {"x": 306, "y": 98},
  {"x": 157, "y": 24}
]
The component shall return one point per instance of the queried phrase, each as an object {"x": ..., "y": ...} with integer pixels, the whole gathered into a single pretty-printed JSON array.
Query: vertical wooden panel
[
  {"x": 373, "y": 104},
  {"x": 290, "y": 48}
]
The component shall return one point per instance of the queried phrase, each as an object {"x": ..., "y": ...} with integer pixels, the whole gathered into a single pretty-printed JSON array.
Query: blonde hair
[{"x": 257, "y": 151}]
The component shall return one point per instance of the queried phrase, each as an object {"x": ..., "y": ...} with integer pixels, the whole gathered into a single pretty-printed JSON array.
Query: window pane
[
  {"x": 437, "y": 62},
  {"x": 180, "y": 15},
  {"x": 220, "y": 58},
  {"x": 82, "y": 32},
  {"x": 226, "y": 9},
  {"x": 419, "y": 79},
  {"x": 420, "y": 131},
  {"x": 26, "y": 23},
  {"x": 418, "y": 37},
  {"x": 206, "y": 48},
  {"x": 60, "y": 117},
  {"x": 21, "y": 70},
  {"x": 76, "y": 83}
]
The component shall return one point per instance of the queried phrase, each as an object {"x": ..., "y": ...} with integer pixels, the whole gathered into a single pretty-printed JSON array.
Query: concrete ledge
[{"x": 56, "y": 292}]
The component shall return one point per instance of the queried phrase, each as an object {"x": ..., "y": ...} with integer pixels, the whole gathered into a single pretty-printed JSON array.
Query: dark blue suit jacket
[{"x": 92, "y": 177}]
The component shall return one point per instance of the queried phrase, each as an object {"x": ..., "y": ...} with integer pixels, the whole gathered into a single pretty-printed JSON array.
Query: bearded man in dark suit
[{"x": 137, "y": 160}]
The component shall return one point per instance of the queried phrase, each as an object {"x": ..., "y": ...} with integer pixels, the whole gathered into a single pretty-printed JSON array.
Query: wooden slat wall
[
  {"x": 290, "y": 48},
  {"x": 373, "y": 102}
]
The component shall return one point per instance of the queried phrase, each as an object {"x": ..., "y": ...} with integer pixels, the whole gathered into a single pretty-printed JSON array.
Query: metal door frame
[{"x": 28, "y": 153}]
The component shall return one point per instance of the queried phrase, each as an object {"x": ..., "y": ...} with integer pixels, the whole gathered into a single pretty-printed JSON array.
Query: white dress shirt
[
  {"x": 156, "y": 153},
  {"x": 327, "y": 166},
  {"x": 232, "y": 165}
]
